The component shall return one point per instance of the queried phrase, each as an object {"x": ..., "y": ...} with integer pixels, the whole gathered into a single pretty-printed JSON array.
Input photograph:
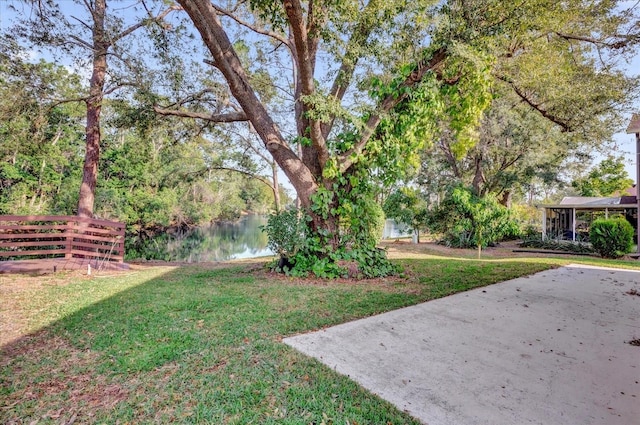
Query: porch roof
[
  {"x": 634, "y": 125},
  {"x": 583, "y": 202}
]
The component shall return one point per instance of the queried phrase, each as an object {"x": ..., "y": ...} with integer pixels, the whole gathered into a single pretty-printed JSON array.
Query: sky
[{"x": 627, "y": 145}]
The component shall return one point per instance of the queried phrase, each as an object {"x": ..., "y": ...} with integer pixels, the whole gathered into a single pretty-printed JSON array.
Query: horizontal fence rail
[{"x": 70, "y": 237}]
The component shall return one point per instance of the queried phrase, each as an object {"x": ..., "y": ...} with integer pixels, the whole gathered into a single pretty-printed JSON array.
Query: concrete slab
[{"x": 552, "y": 348}]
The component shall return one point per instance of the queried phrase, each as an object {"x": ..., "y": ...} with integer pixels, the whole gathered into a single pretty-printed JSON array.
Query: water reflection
[
  {"x": 228, "y": 241},
  {"x": 220, "y": 241}
]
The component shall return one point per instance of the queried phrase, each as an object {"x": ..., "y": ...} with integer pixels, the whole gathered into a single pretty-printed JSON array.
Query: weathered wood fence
[{"x": 45, "y": 236}]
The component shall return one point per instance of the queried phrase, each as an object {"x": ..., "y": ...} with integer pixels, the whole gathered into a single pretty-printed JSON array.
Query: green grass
[{"x": 189, "y": 345}]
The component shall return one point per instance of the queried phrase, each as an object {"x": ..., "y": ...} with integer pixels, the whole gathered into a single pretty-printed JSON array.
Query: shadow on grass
[{"x": 203, "y": 346}]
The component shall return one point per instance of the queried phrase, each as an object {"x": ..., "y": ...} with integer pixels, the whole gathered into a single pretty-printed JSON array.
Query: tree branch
[
  {"x": 83, "y": 23},
  {"x": 304, "y": 61},
  {"x": 252, "y": 27},
  {"x": 228, "y": 117},
  {"x": 344, "y": 76},
  {"x": 621, "y": 42},
  {"x": 246, "y": 173},
  {"x": 445, "y": 147},
  {"x": 90, "y": 9},
  {"x": 251, "y": 146},
  {"x": 81, "y": 42},
  {"x": 348, "y": 158},
  {"x": 63, "y": 101},
  {"x": 536, "y": 106},
  {"x": 143, "y": 22}
]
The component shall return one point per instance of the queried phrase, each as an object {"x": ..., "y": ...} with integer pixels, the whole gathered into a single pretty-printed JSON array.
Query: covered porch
[{"x": 571, "y": 219}]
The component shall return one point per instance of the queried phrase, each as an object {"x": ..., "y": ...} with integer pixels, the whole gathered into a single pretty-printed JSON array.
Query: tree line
[{"x": 150, "y": 177}]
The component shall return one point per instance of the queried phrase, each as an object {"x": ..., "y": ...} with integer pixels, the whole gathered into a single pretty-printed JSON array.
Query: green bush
[
  {"x": 408, "y": 207},
  {"x": 611, "y": 238},
  {"x": 467, "y": 221},
  {"x": 302, "y": 254},
  {"x": 376, "y": 227},
  {"x": 286, "y": 231}
]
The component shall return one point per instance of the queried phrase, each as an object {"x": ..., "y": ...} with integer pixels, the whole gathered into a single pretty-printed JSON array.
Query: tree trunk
[
  {"x": 328, "y": 228},
  {"x": 227, "y": 62},
  {"x": 91, "y": 158},
  {"x": 94, "y": 106},
  {"x": 506, "y": 198},
  {"x": 276, "y": 186},
  {"x": 478, "y": 176}
]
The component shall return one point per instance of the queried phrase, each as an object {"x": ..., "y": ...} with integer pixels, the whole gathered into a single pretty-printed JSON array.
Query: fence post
[{"x": 68, "y": 246}]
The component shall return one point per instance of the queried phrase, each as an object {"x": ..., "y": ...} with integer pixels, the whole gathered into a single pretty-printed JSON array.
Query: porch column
[
  {"x": 638, "y": 190},
  {"x": 544, "y": 224},
  {"x": 634, "y": 127},
  {"x": 573, "y": 223}
]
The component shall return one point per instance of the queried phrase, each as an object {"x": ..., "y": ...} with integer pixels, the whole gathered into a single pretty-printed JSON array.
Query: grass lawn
[{"x": 202, "y": 344}]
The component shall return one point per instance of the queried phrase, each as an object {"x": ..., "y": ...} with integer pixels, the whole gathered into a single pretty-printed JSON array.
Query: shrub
[
  {"x": 536, "y": 241},
  {"x": 406, "y": 206},
  {"x": 302, "y": 253},
  {"x": 376, "y": 227},
  {"x": 286, "y": 231},
  {"x": 611, "y": 238},
  {"x": 467, "y": 221}
]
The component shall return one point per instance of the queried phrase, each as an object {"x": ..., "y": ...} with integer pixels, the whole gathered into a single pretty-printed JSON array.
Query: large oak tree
[
  {"x": 357, "y": 65},
  {"x": 347, "y": 35}
]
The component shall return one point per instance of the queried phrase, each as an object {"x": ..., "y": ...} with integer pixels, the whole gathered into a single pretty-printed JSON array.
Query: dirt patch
[{"x": 271, "y": 276}]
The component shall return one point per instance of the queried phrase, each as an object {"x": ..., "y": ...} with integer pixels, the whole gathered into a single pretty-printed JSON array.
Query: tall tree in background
[
  {"x": 154, "y": 174},
  {"x": 48, "y": 26},
  {"x": 605, "y": 179},
  {"x": 558, "y": 91}
]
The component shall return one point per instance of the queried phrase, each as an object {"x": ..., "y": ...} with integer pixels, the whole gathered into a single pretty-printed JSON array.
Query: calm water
[
  {"x": 232, "y": 240},
  {"x": 221, "y": 241}
]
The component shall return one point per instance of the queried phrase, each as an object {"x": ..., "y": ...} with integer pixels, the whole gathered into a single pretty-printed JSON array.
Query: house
[{"x": 572, "y": 217}]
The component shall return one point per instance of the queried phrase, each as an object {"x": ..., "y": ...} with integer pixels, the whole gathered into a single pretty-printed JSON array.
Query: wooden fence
[{"x": 70, "y": 237}]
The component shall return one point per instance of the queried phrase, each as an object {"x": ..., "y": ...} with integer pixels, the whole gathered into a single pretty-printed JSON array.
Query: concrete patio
[{"x": 559, "y": 347}]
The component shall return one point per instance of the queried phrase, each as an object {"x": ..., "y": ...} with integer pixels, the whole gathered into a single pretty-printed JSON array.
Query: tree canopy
[
  {"x": 607, "y": 178},
  {"x": 151, "y": 178}
]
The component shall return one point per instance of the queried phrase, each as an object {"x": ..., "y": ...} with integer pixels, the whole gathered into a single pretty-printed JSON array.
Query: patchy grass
[{"x": 203, "y": 344}]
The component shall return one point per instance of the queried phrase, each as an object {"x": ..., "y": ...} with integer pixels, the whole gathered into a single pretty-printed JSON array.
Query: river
[{"x": 230, "y": 240}]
